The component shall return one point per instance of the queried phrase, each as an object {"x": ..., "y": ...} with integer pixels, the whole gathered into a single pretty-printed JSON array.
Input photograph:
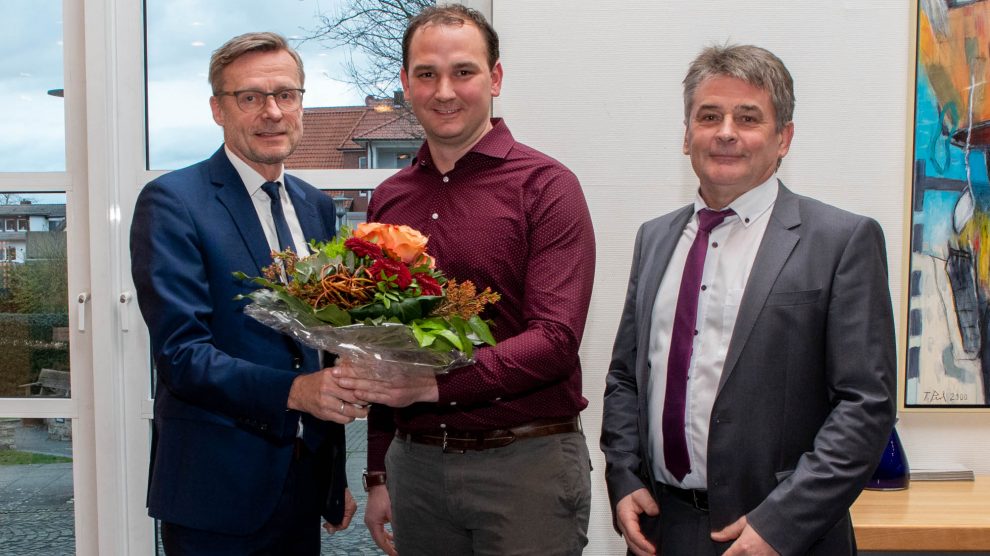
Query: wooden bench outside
[{"x": 50, "y": 384}]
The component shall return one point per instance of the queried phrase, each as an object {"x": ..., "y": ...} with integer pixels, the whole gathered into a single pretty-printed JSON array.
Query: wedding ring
[{"x": 341, "y": 410}]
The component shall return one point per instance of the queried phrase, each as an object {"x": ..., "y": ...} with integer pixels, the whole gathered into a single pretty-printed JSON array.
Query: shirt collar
[
  {"x": 750, "y": 205},
  {"x": 497, "y": 143},
  {"x": 251, "y": 178}
]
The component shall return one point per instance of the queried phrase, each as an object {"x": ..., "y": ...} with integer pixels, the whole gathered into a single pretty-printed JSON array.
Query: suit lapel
[
  {"x": 778, "y": 242},
  {"x": 306, "y": 211},
  {"x": 233, "y": 195},
  {"x": 657, "y": 250}
]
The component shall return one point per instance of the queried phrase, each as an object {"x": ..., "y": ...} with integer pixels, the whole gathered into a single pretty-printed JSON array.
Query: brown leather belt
[{"x": 461, "y": 441}]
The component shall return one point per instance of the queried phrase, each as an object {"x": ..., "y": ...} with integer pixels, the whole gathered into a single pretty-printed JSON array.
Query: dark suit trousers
[
  {"x": 680, "y": 530},
  {"x": 683, "y": 530},
  {"x": 293, "y": 529}
]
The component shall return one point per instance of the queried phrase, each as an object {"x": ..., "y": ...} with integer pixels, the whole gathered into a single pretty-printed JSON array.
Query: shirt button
[
  {"x": 695, "y": 332},
  {"x": 703, "y": 288},
  {"x": 434, "y": 216},
  {"x": 453, "y": 403},
  {"x": 747, "y": 220},
  {"x": 443, "y": 425},
  {"x": 714, "y": 244},
  {"x": 446, "y": 179}
]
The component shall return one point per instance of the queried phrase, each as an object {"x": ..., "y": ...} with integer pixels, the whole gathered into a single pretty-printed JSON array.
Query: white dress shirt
[
  {"x": 263, "y": 205},
  {"x": 731, "y": 252}
]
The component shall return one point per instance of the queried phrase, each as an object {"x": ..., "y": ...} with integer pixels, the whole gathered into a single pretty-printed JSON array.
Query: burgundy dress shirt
[{"x": 513, "y": 219}]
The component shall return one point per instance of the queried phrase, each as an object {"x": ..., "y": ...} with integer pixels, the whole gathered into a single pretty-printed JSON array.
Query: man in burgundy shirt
[{"x": 489, "y": 458}]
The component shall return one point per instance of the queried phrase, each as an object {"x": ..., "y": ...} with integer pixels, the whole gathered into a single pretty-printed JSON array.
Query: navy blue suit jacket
[{"x": 223, "y": 438}]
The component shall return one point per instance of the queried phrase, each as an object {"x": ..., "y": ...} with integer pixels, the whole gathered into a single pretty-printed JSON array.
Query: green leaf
[
  {"x": 461, "y": 328},
  {"x": 441, "y": 344},
  {"x": 452, "y": 337},
  {"x": 333, "y": 315},
  {"x": 294, "y": 304},
  {"x": 306, "y": 269},
  {"x": 424, "y": 338},
  {"x": 433, "y": 323},
  {"x": 480, "y": 328},
  {"x": 406, "y": 310}
]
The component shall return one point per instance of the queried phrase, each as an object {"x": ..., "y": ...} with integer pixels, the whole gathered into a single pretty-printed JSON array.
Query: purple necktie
[{"x": 675, "y": 453}]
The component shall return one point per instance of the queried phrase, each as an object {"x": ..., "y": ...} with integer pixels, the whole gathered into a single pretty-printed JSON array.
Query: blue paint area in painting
[
  {"x": 937, "y": 219},
  {"x": 938, "y": 152}
]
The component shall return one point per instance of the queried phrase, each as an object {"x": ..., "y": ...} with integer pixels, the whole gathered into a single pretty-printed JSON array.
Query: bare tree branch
[{"x": 373, "y": 30}]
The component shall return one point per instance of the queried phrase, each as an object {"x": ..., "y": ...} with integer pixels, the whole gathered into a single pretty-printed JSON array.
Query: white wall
[{"x": 597, "y": 85}]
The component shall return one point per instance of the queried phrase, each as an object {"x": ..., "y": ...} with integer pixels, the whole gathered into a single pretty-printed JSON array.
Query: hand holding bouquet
[{"x": 375, "y": 298}]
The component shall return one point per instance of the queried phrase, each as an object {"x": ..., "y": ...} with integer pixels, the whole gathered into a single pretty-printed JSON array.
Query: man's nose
[
  {"x": 727, "y": 130},
  {"x": 271, "y": 109},
  {"x": 445, "y": 89}
]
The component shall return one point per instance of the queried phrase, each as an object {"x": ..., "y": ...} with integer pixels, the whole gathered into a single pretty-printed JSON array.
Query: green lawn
[{"x": 14, "y": 457}]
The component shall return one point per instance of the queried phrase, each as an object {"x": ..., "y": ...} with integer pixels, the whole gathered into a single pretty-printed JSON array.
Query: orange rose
[{"x": 402, "y": 241}]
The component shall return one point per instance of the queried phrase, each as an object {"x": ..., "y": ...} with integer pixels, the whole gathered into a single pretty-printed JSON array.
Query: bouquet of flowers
[{"x": 374, "y": 297}]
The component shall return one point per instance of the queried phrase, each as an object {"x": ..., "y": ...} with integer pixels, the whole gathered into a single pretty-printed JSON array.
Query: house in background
[
  {"x": 27, "y": 230},
  {"x": 383, "y": 133}
]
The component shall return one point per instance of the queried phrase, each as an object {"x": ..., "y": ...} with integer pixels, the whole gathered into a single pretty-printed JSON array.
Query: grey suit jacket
[{"x": 806, "y": 399}]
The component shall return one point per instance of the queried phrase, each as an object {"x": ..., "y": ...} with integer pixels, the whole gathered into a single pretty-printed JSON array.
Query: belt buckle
[
  {"x": 698, "y": 502},
  {"x": 445, "y": 449}
]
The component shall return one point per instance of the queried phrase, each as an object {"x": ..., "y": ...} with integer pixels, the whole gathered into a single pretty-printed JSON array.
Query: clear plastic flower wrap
[
  {"x": 375, "y": 298},
  {"x": 382, "y": 350}
]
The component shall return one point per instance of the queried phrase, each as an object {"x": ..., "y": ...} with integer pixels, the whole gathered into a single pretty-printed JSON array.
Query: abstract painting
[{"x": 948, "y": 321}]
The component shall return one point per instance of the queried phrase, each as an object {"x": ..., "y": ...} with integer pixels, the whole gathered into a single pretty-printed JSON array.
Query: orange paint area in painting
[{"x": 955, "y": 60}]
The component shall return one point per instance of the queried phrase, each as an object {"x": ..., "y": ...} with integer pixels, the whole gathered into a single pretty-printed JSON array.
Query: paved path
[{"x": 36, "y": 503}]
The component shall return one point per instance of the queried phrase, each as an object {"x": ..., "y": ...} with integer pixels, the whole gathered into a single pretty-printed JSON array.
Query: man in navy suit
[{"x": 248, "y": 439}]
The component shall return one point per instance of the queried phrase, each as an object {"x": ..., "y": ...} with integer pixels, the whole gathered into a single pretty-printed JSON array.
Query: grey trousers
[{"x": 532, "y": 497}]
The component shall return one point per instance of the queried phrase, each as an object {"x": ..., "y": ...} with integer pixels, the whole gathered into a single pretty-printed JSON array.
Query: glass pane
[
  {"x": 34, "y": 319},
  {"x": 351, "y": 205},
  {"x": 36, "y": 503},
  {"x": 353, "y": 103},
  {"x": 356, "y": 539},
  {"x": 32, "y": 130}
]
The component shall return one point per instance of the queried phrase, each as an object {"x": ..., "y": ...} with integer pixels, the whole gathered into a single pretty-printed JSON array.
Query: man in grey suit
[{"x": 750, "y": 391}]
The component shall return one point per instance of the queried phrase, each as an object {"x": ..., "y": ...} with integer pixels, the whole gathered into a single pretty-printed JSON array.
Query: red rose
[
  {"x": 428, "y": 284},
  {"x": 391, "y": 268},
  {"x": 364, "y": 248}
]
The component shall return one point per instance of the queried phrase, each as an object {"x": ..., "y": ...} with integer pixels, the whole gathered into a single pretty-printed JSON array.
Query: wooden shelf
[{"x": 929, "y": 515}]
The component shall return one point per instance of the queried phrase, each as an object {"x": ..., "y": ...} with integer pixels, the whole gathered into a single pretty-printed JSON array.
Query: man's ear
[
  {"x": 786, "y": 135},
  {"x": 217, "y": 110},
  {"x": 404, "y": 78},
  {"x": 497, "y": 79}
]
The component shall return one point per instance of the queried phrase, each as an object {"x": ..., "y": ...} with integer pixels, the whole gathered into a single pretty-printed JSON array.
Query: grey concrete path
[{"x": 36, "y": 501}]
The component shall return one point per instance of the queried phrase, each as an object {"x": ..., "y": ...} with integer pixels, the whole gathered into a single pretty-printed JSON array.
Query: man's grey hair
[
  {"x": 752, "y": 64},
  {"x": 241, "y": 45}
]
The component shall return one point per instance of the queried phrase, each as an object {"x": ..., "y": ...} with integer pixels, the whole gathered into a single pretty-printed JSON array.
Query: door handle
[
  {"x": 81, "y": 300},
  {"x": 125, "y": 310}
]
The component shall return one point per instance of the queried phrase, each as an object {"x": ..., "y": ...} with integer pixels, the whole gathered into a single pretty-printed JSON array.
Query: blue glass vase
[{"x": 893, "y": 472}]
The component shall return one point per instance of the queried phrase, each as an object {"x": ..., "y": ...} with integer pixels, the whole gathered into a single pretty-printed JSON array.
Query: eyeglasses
[{"x": 287, "y": 100}]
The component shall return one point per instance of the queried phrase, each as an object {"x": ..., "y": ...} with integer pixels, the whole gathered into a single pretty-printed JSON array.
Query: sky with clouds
[{"x": 181, "y": 36}]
